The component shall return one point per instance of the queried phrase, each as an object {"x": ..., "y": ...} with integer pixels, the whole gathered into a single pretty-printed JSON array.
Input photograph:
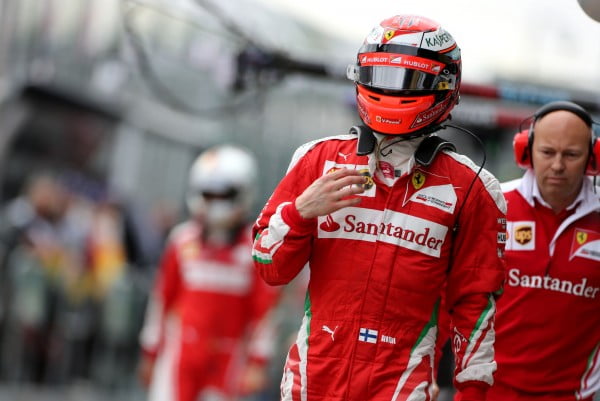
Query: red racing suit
[
  {"x": 548, "y": 322},
  {"x": 377, "y": 272},
  {"x": 205, "y": 316}
]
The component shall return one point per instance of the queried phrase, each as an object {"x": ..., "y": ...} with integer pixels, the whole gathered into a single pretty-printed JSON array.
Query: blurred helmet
[
  {"x": 221, "y": 185},
  {"x": 407, "y": 76}
]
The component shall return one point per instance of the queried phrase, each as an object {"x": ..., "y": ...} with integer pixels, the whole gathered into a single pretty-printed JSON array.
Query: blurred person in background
[
  {"x": 390, "y": 220},
  {"x": 548, "y": 321},
  {"x": 207, "y": 334},
  {"x": 47, "y": 282},
  {"x": 70, "y": 285}
]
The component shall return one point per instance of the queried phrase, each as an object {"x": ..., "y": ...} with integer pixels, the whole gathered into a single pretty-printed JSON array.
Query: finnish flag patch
[{"x": 367, "y": 335}]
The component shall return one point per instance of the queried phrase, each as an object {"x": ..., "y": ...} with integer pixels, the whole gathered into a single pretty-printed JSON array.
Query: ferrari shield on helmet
[{"x": 407, "y": 75}]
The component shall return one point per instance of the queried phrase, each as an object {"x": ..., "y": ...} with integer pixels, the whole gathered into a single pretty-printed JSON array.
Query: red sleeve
[
  {"x": 264, "y": 299},
  {"x": 282, "y": 238},
  {"x": 161, "y": 301},
  {"x": 477, "y": 272},
  {"x": 168, "y": 285}
]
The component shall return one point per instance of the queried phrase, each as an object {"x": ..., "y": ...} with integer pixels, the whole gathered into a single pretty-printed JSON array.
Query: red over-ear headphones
[{"x": 523, "y": 140}]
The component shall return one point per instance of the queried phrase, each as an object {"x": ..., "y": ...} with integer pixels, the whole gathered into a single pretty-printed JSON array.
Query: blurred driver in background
[{"x": 206, "y": 335}]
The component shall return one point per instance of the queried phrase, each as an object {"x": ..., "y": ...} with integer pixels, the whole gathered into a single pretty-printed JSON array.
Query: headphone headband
[{"x": 563, "y": 105}]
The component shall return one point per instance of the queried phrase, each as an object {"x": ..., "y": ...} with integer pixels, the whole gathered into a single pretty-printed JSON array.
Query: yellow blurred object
[
  {"x": 107, "y": 254},
  {"x": 254, "y": 379}
]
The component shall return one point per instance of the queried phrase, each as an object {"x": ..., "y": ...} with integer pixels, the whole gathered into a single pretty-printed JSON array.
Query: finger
[
  {"x": 343, "y": 172},
  {"x": 350, "y": 180},
  {"x": 435, "y": 392},
  {"x": 349, "y": 191}
]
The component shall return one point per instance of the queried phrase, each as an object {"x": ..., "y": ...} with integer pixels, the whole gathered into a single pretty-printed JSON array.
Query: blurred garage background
[{"x": 104, "y": 104}]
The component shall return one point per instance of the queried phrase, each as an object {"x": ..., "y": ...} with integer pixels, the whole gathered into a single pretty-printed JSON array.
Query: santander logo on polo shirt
[
  {"x": 387, "y": 226},
  {"x": 577, "y": 288}
]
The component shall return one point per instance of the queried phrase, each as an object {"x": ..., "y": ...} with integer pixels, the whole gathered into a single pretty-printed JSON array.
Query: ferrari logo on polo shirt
[
  {"x": 585, "y": 244},
  {"x": 418, "y": 179},
  {"x": 581, "y": 237},
  {"x": 389, "y": 34}
]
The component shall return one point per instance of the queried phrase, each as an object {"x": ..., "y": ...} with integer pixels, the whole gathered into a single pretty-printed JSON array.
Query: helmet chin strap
[
  {"x": 366, "y": 139},
  {"x": 430, "y": 147}
]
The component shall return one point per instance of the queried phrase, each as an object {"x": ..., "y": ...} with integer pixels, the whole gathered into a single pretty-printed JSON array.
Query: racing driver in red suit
[
  {"x": 207, "y": 333},
  {"x": 390, "y": 220}
]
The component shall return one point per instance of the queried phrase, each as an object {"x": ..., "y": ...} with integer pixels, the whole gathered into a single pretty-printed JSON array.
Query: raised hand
[{"x": 331, "y": 192}]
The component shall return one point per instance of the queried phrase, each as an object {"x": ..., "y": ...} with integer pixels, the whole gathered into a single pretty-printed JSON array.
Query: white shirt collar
[
  {"x": 531, "y": 191},
  {"x": 397, "y": 152}
]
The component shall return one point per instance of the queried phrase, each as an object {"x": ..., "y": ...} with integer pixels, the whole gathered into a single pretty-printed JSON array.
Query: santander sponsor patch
[
  {"x": 394, "y": 228},
  {"x": 585, "y": 244},
  {"x": 442, "y": 197}
]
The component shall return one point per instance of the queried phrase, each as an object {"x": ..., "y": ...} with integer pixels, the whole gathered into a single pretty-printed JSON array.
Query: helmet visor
[
  {"x": 398, "y": 79},
  {"x": 396, "y": 71}
]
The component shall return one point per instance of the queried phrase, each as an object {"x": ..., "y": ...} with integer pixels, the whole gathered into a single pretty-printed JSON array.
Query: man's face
[{"x": 560, "y": 154}]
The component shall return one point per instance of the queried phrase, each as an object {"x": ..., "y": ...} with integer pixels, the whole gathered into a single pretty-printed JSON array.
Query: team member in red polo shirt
[{"x": 548, "y": 321}]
